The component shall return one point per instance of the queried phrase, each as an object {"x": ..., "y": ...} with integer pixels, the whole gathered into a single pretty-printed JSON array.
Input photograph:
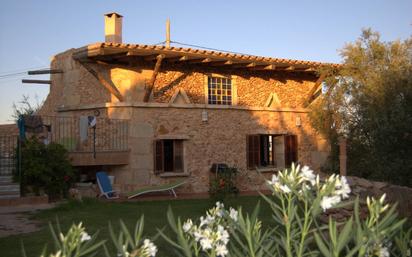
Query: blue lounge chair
[{"x": 105, "y": 186}]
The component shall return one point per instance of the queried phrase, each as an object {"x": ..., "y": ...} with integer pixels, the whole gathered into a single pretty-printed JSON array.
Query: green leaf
[{"x": 322, "y": 247}]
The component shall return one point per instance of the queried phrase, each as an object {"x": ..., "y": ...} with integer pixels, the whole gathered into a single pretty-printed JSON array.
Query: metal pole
[
  {"x": 94, "y": 142},
  {"x": 19, "y": 166},
  {"x": 168, "y": 33}
]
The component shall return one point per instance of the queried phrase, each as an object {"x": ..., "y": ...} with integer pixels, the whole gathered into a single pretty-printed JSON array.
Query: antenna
[{"x": 168, "y": 32}]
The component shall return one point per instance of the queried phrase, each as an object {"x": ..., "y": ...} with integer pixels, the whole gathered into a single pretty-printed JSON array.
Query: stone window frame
[
  {"x": 184, "y": 172},
  {"x": 233, "y": 85}
]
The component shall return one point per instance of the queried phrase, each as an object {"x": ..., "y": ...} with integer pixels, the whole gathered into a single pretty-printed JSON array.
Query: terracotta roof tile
[{"x": 207, "y": 53}]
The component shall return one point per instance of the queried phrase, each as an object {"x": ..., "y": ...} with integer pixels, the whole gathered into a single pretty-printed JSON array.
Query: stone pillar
[{"x": 342, "y": 156}]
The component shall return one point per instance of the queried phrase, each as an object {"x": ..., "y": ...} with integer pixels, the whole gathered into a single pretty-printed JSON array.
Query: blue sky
[{"x": 33, "y": 31}]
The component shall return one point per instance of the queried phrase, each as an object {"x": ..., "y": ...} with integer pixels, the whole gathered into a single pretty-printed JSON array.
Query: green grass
[{"x": 96, "y": 215}]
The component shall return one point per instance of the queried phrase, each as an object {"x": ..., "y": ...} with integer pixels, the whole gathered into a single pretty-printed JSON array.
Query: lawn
[{"x": 96, "y": 215}]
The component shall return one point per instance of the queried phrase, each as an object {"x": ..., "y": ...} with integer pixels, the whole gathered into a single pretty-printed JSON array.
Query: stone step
[
  {"x": 10, "y": 196},
  {"x": 6, "y": 179},
  {"x": 10, "y": 188}
]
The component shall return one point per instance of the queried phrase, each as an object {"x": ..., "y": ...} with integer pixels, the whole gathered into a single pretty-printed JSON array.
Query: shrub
[
  {"x": 223, "y": 183},
  {"x": 299, "y": 198},
  {"x": 45, "y": 168}
]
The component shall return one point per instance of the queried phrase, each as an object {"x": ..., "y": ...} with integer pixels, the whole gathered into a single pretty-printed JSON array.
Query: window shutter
[
  {"x": 178, "y": 155},
  {"x": 252, "y": 151},
  {"x": 291, "y": 150},
  {"x": 158, "y": 156}
]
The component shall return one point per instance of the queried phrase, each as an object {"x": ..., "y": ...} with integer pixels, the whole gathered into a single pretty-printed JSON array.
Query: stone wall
[
  {"x": 253, "y": 87},
  {"x": 77, "y": 87},
  {"x": 364, "y": 188},
  {"x": 222, "y": 139},
  {"x": 74, "y": 87},
  {"x": 394, "y": 194},
  {"x": 9, "y": 130}
]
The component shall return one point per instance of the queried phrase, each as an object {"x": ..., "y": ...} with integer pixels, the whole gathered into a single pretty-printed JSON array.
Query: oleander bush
[{"x": 299, "y": 201}]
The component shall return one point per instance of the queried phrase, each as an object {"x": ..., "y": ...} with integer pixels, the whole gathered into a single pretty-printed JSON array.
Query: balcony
[{"x": 106, "y": 144}]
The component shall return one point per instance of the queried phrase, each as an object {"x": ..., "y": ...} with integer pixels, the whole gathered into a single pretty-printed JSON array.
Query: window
[
  {"x": 219, "y": 90},
  {"x": 271, "y": 150},
  {"x": 168, "y": 156}
]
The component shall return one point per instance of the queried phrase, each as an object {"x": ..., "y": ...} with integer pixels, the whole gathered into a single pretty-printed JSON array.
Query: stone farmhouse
[{"x": 166, "y": 112}]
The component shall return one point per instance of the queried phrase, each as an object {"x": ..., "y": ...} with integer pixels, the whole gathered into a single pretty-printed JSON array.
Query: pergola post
[{"x": 342, "y": 156}]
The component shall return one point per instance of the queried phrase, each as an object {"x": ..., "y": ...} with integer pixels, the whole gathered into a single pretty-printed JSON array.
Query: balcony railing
[{"x": 109, "y": 134}]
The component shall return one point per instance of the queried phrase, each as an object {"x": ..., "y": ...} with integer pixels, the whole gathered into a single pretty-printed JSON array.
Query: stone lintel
[
  {"x": 172, "y": 136},
  {"x": 174, "y": 174}
]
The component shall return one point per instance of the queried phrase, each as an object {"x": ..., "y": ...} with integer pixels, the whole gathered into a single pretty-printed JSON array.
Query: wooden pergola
[
  {"x": 130, "y": 54},
  {"x": 126, "y": 54}
]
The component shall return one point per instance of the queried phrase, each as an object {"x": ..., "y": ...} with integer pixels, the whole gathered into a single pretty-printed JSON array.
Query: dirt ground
[{"x": 15, "y": 220}]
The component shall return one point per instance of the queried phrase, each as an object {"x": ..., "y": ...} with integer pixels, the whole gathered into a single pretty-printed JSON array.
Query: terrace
[{"x": 105, "y": 144}]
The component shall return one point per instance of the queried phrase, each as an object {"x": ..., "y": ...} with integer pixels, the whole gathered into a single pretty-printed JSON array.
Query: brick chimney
[{"x": 113, "y": 27}]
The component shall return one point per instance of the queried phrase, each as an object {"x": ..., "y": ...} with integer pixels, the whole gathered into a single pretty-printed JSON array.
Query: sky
[{"x": 32, "y": 31}]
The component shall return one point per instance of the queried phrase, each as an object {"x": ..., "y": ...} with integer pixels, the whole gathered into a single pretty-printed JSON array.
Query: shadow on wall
[{"x": 224, "y": 125}]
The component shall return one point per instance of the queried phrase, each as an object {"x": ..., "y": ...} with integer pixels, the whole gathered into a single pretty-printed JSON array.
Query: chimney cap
[{"x": 113, "y": 13}]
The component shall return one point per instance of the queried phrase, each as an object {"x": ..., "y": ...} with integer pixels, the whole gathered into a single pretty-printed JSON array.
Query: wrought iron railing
[
  {"x": 8, "y": 145},
  {"x": 108, "y": 135}
]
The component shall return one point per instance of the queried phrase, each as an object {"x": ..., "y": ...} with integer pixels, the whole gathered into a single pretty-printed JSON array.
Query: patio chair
[
  {"x": 167, "y": 187},
  {"x": 105, "y": 186}
]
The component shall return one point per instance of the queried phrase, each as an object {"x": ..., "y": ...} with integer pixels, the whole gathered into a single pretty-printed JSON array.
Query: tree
[
  {"x": 369, "y": 101},
  {"x": 25, "y": 107}
]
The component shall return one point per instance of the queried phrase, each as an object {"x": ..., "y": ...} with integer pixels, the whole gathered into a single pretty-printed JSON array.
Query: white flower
[
  {"x": 275, "y": 180},
  {"x": 187, "y": 225},
  {"x": 233, "y": 214},
  {"x": 285, "y": 189},
  {"x": 84, "y": 237},
  {"x": 383, "y": 252},
  {"x": 342, "y": 187},
  {"x": 308, "y": 175},
  {"x": 197, "y": 235},
  {"x": 220, "y": 205},
  {"x": 221, "y": 250},
  {"x": 382, "y": 199},
  {"x": 125, "y": 252},
  {"x": 206, "y": 243},
  {"x": 328, "y": 202},
  {"x": 345, "y": 188},
  {"x": 205, "y": 221},
  {"x": 222, "y": 234},
  {"x": 58, "y": 254},
  {"x": 149, "y": 248}
]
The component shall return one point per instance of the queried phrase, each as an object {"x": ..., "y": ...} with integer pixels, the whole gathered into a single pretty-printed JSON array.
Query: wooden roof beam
[
  {"x": 264, "y": 67},
  {"x": 245, "y": 65},
  {"x": 312, "y": 93},
  {"x": 178, "y": 58},
  {"x": 149, "y": 86},
  {"x": 48, "y": 71},
  {"x": 153, "y": 57},
  {"x": 200, "y": 60},
  {"x": 222, "y": 63},
  {"x": 36, "y": 81},
  {"x": 109, "y": 86}
]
